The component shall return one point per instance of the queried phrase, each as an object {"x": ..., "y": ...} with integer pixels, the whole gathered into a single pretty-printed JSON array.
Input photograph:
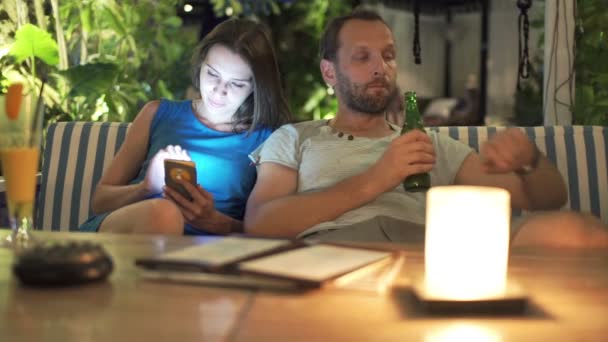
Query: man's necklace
[{"x": 341, "y": 134}]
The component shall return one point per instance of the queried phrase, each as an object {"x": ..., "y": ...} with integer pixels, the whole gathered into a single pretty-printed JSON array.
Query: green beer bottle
[{"x": 420, "y": 181}]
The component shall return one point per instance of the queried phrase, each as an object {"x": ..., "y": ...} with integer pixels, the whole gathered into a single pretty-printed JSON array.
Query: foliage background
[
  {"x": 590, "y": 105},
  {"x": 591, "y": 63},
  {"x": 115, "y": 55},
  {"x": 297, "y": 45}
]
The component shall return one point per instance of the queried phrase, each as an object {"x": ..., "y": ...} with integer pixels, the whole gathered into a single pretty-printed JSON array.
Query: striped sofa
[
  {"x": 578, "y": 151},
  {"x": 76, "y": 153},
  {"x": 74, "y": 157}
]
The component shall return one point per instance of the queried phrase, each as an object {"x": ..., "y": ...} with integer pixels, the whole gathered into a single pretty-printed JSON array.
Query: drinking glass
[{"x": 20, "y": 135}]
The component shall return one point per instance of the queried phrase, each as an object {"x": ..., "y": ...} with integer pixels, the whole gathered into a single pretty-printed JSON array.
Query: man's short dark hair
[{"x": 329, "y": 44}]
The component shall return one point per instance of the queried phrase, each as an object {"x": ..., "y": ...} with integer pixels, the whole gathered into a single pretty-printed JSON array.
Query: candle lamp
[{"x": 467, "y": 251}]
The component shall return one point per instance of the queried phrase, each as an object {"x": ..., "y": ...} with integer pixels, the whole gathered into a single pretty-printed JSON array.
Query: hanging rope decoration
[
  {"x": 523, "y": 24},
  {"x": 417, "y": 58}
]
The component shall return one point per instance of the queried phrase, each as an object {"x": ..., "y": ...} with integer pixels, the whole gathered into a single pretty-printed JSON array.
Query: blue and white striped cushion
[
  {"x": 74, "y": 158},
  {"x": 77, "y": 153},
  {"x": 578, "y": 151}
]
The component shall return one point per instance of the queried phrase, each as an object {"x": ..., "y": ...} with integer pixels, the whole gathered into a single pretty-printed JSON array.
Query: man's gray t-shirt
[{"x": 322, "y": 159}]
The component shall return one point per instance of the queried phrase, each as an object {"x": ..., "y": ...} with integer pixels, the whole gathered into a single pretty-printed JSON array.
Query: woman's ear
[{"x": 328, "y": 72}]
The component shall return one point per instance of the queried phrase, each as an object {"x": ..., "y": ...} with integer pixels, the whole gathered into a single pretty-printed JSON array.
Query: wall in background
[{"x": 428, "y": 78}]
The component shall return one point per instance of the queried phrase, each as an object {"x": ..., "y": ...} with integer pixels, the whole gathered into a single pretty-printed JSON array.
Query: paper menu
[
  {"x": 315, "y": 263},
  {"x": 224, "y": 251}
]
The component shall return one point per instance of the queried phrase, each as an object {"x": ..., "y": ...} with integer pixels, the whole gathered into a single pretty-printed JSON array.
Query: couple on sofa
[{"x": 337, "y": 179}]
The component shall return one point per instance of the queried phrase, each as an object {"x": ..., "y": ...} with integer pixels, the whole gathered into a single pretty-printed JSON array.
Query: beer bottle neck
[{"x": 412, "y": 115}]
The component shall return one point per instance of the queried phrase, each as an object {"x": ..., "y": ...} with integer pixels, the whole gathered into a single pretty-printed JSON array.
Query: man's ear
[{"x": 328, "y": 72}]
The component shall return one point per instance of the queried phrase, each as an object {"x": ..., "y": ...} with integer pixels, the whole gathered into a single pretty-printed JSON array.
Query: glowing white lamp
[
  {"x": 467, "y": 242},
  {"x": 469, "y": 332}
]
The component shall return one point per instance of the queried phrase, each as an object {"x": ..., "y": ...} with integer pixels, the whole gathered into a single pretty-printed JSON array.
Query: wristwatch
[{"x": 528, "y": 168}]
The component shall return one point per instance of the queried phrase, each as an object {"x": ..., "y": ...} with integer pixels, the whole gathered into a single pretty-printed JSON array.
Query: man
[{"x": 340, "y": 179}]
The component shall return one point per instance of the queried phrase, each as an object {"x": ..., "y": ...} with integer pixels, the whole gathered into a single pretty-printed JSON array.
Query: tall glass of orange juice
[{"x": 20, "y": 135}]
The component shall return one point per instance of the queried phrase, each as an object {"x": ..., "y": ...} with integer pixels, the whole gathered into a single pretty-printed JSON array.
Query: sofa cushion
[
  {"x": 579, "y": 153},
  {"x": 76, "y": 154},
  {"x": 74, "y": 158}
]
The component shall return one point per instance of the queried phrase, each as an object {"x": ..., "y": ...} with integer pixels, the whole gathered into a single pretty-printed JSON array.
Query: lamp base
[{"x": 513, "y": 302}]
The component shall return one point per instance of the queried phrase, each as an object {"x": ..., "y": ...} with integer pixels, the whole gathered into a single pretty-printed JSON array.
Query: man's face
[{"x": 366, "y": 66}]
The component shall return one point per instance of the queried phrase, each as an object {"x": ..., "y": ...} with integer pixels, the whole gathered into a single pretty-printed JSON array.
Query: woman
[{"x": 236, "y": 73}]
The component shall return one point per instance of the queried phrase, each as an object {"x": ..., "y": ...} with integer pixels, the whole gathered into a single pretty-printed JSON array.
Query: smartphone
[{"x": 176, "y": 170}]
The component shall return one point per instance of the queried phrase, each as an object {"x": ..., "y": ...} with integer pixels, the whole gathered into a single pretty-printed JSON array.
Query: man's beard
[{"x": 357, "y": 99}]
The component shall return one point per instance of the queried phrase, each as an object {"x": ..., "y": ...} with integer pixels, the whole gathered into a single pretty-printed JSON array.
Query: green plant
[
  {"x": 110, "y": 60},
  {"x": 591, "y": 71},
  {"x": 297, "y": 33},
  {"x": 33, "y": 43},
  {"x": 591, "y": 98},
  {"x": 132, "y": 62}
]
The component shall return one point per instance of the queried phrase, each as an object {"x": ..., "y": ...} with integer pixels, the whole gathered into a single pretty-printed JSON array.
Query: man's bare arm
[
  {"x": 275, "y": 209},
  {"x": 543, "y": 188},
  {"x": 113, "y": 191}
]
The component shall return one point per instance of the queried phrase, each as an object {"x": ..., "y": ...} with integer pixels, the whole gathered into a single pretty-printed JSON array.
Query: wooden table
[{"x": 569, "y": 291}]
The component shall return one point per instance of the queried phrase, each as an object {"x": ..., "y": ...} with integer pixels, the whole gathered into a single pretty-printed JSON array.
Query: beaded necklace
[{"x": 341, "y": 134}]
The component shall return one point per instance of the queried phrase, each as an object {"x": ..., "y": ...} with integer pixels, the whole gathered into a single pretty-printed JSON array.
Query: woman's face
[{"x": 226, "y": 81}]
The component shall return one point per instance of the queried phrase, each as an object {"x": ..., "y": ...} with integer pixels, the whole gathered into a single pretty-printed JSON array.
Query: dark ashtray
[{"x": 63, "y": 263}]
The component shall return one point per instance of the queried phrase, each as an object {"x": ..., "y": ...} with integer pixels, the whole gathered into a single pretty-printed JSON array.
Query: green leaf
[
  {"x": 90, "y": 79},
  {"x": 115, "y": 20},
  {"x": 31, "y": 41},
  {"x": 237, "y": 8},
  {"x": 314, "y": 100},
  {"x": 112, "y": 105},
  {"x": 85, "y": 17},
  {"x": 275, "y": 8},
  {"x": 163, "y": 90},
  {"x": 133, "y": 47},
  {"x": 218, "y": 7},
  {"x": 173, "y": 21}
]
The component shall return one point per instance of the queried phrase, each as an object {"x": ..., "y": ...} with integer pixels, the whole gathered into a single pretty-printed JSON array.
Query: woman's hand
[
  {"x": 200, "y": 212},
  {"x": 155, "y": 174}
]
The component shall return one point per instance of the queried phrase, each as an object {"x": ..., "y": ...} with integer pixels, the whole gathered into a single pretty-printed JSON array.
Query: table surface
[{"x": 568, "y": 291}]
